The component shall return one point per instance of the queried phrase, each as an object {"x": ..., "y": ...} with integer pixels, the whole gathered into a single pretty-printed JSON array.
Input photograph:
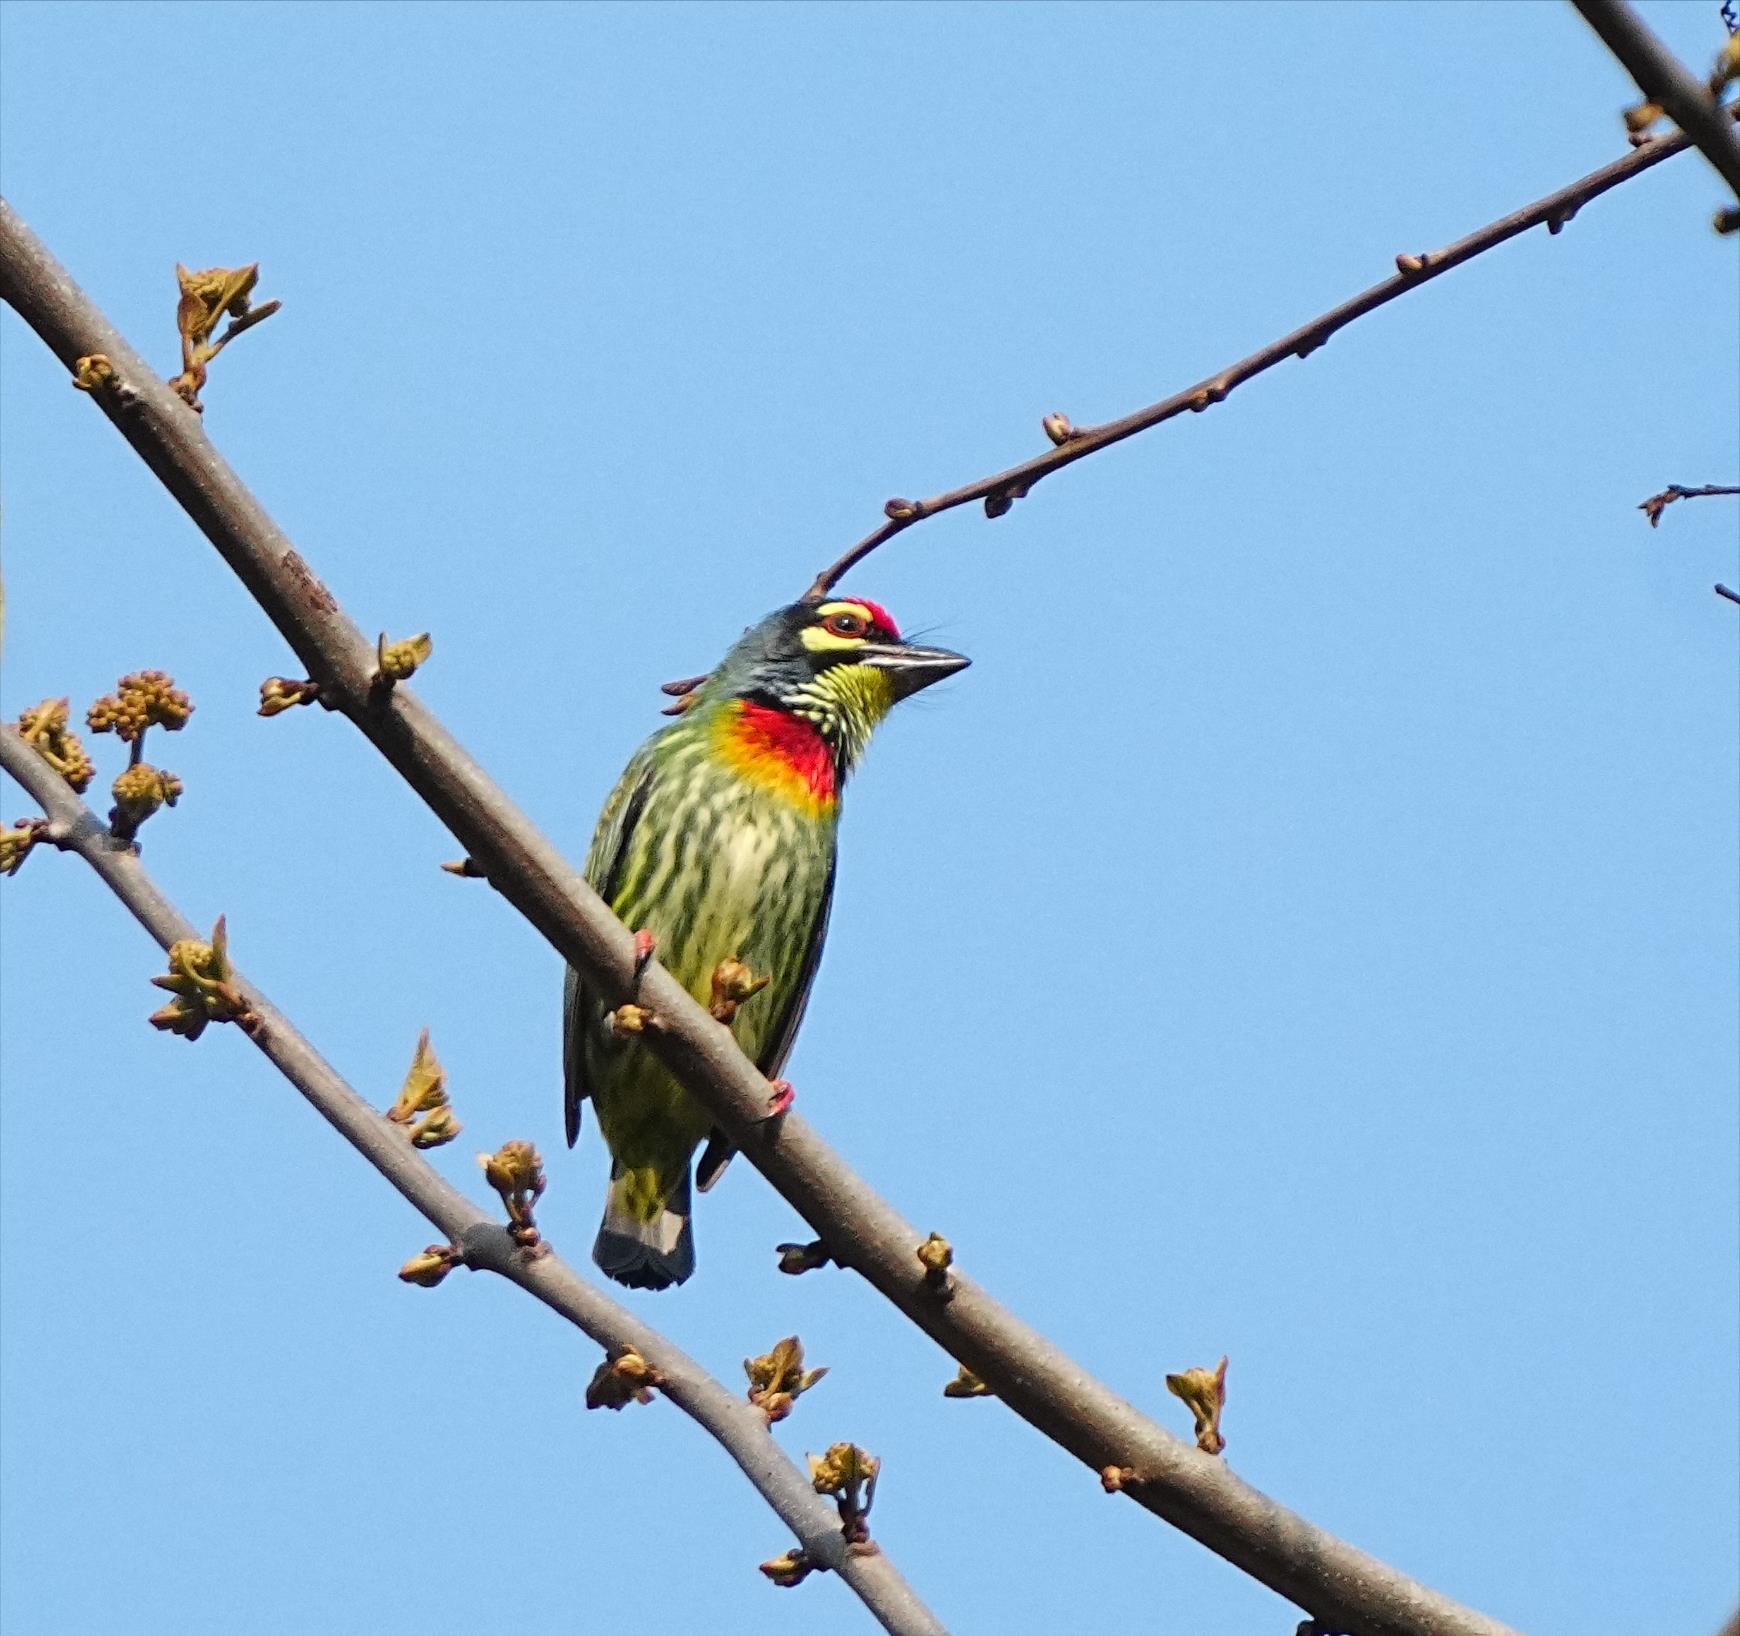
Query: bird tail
[{"x": 640, "y": 1251}]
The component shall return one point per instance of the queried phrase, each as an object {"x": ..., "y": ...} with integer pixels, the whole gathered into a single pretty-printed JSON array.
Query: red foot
[
  {"x": 782, "y": 1098},
  {"x": 644, "y": 943}
]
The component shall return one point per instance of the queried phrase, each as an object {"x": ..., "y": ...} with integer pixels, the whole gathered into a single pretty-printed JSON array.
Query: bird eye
[{"x": 845, "y": 624}]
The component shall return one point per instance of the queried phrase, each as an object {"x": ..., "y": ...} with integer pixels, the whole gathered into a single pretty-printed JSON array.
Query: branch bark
[
  {"x": 1667, "y": 82},
  {"x": 1002, "y": 489},
  {"x": 738, "y": 1427},
  {"x": 1339, "y": 1585}
]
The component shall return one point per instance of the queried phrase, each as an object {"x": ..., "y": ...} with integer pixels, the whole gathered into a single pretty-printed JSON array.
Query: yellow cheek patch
[{"x": 818, "y": 639}]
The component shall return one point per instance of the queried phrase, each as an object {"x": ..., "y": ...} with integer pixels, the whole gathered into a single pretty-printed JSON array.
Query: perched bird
[{"x": 718, "y": 841}]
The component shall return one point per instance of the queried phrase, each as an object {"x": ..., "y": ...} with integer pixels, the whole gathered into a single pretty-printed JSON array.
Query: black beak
[{"x": 911, "y": 668}]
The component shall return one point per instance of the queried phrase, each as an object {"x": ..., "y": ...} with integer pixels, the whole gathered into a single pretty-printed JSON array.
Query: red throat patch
[{"x": 782, "y": 751}]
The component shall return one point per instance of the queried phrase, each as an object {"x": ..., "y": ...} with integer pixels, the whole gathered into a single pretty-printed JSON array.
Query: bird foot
[
  {"x": 782, "y": 1098},
  {"x": 644, "y": 944}
]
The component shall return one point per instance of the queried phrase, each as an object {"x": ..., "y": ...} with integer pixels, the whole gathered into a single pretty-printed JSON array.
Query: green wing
[
  {"x": 717, "y": 1153},
  {"x": 605, "y": 861}
]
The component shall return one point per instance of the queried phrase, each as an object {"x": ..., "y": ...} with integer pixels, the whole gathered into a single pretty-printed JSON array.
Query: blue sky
[{"x": 1307, "y": 932}]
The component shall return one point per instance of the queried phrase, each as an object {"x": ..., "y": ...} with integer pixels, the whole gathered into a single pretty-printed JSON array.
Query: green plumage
[{"x": 721, "y": 849}]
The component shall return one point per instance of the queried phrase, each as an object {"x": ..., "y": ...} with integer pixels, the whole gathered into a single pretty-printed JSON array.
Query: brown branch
[
  {"x": 1726, "y": 591},
  {"x": 1077, "y": 443},
  {"x": 739, "y": 1427},
  {"x": 1333, "y": 1581},
  {"x": 1665, "y": 81},
  {"x": 1656, "y": 504}
]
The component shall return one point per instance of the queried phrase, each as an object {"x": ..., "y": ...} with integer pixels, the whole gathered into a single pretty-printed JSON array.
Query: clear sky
[{"x": 1308, "y": 932}]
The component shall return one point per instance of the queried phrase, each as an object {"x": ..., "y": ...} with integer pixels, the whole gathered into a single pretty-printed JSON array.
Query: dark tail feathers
[{"x": 645, "y": 1254}]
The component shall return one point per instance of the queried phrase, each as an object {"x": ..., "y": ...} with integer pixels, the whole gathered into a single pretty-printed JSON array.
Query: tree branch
[
  {"x": 1656, "y": 504},
  {"x": 732, "y": 1421},
  {"x": 1341, "y": 1586},
  {"x": 1000, "y": 491},
  {"x": 1665, "y": 81}
]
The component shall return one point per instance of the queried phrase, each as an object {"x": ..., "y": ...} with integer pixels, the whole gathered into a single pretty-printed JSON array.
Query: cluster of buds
[
  {"x": 516, "y": 1172},
  {"x": 200, "y": 979},
  {"x": 206, "y": 297},
  {"x": 423, "y": 1107},
  {"x": 398, "y": 661},
  {"x": 847, "y": 1474},
  {"x": 733, "y": 983},
  {"x": 1204, "y": 1391},
  {"x": 623, "y": 1378},
  {"x": 15, "y": 843},
  {"x": 139, "y": 791},
  {"x": 146, "y": 698},
  {"x": 429, "y": 1268},
  {"x": 778, "y": 1378},
  {"x": 44, "y": 728}
]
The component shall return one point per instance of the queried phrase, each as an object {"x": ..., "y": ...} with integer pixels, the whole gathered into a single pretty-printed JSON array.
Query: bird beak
[{"x": 911, "y": 668}]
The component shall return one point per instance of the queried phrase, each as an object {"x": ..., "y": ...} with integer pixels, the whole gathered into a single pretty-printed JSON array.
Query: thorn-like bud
[
  {"x": 902, "y": 511},
  {"x": 1727, "y": 219},
  {"x": 788, "y": 1569},
  {"x": 1409, "y": 265},
  {"x": 469, "y": 868},
  {"x": 778, "y": 1378},
  {"x": 733, "y": 983},
  {"x": 424, "y": 1092},
  {"x": 847, "y": 1474},
  {"x": 139, "y": 792},
  {"x": 1114, "y": 1478},
  {"x": 428, "y": 1269},
  {"x": 16, "y": 843},
  {"x": 146, "y": 698},
  {"x": 1204, "y": 1391},
  {"x": 281, "y": 693},
  {"x": 1215, "y": 392},
  {"x": 93, "y": 372},
  {"x": 967, "y": 1384},
  {"x": 199, "y": 977},
  {"x": 398, "y": 661},
  {"x": 623, "y": 1378},
  {"x": 516, "y": 1172},
  {"x": 1059, "y": 429},
  {"x": 936, "y": 1255},
  {"x": 796, "y": 1258},
  {"x": 44, "y": 728}
]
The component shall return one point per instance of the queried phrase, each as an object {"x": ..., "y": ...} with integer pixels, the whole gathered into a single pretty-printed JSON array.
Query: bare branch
[
  {"x": 1665, "y": 81},
  {"x": 1335, "y": 1582},
  {"x": 1656, "y": 504},
  {"x": 482, "y": 1243},
  {"x": 1073, "y": 443}
]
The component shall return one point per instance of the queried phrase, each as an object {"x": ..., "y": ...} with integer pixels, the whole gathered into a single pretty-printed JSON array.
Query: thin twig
[
  {"x": 1727, "y": 591},
  {"x": 1076, "y": 443},
  {"x": 731, "y": 1420},
  {"x": 1668, "y": 83},
  {"x": 1333, "y": 1581},
  {"x": 1656, "y": 504}
]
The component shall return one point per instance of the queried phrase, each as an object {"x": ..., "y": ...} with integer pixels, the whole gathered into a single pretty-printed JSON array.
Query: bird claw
[
  {"x": 782, "y": 1098},
  {"x": 644, "y": 944}
]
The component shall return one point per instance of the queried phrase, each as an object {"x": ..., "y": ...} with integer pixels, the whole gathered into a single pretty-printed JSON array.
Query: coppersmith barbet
[{"x": 719, "y": 841}]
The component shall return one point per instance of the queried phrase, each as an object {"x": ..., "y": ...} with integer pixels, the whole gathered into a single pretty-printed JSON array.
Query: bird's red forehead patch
[{"x": 878, "y": 615}]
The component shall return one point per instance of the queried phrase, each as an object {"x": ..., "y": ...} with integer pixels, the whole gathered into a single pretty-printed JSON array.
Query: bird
[{"x": 717, "y": 848}]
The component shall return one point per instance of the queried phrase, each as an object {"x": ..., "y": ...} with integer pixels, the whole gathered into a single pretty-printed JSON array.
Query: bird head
[{"x": 840, "y": 664}]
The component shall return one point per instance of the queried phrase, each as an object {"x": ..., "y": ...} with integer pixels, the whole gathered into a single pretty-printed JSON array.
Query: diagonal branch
[
  {"x": 1339, "y": 1585},
  {"x": 1668, "y": 83},
  {"x": 738, "y": 1427},
  {"x": 1001, "y": 490}
]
